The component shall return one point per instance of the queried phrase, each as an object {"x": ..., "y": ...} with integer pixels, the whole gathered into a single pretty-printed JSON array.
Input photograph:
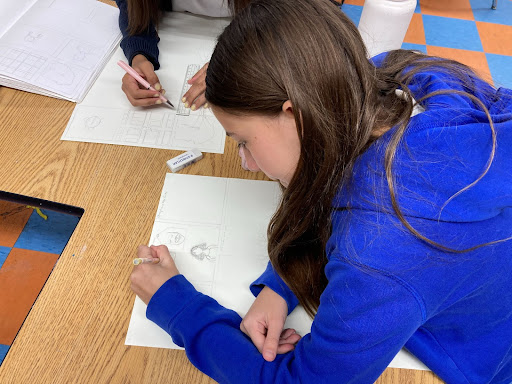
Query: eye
[{"x": 241, "y": 144}]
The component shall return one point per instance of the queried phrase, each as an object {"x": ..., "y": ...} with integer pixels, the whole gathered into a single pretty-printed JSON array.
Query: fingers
[
  {"x": 199, "y": 74},
  {"x": 285, "y": 334},
  {"x": 272, "y": 340},
  {"x": 144, "y": 251},
  {"x": 162, "y": 252},
  {"x": 194, "y": 97},
  {"x": 257, "y": 334},
  {"x": 138, "y": 96}
]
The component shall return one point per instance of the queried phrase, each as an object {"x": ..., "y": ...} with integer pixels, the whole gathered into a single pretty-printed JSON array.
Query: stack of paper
[{"x": 56, "y": 48}]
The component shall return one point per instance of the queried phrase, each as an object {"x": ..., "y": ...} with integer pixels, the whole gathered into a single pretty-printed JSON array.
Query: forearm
[
  {"x": 271, "y": 279},
  {"x": 143, "y": 43}
]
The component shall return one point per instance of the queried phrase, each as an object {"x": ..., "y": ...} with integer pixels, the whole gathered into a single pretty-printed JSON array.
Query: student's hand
[
  {"x": 194, "y": 97},
  {"x": 147, "y": 278},
  {"x": 136, "y": 93},
  {"x": 264, "y": 324}
]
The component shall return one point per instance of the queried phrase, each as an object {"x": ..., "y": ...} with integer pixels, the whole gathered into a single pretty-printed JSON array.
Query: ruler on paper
[{"x": 191, "y": 71}]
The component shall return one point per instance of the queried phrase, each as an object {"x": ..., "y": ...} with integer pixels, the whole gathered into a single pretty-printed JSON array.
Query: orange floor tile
[
  {"x": 13, "y": 218},
  {"x": 22, "y": 275},
  {"x": 415, "y": 33},
  {"x": 495, "y": 38},
  {"x": 476, "y": 60},
  {"x": 458, "y": 9}
]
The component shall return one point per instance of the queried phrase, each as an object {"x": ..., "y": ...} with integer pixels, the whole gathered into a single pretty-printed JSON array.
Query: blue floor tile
[
  {"x": 415, "y": 47},
  {"x": 4, "y": 251},
  {"x": 500, "y": 67},
  {"x": 451, "y": 33},
  {"x": 353, "y": 12},
  {"x": 49, "y": 235},
  {"x": 501, "y": 15},
  {"x": 3, "y": 351}
]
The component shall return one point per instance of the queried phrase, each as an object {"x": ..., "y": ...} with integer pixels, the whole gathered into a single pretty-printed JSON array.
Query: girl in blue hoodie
[{"x": 396, "y": 216}]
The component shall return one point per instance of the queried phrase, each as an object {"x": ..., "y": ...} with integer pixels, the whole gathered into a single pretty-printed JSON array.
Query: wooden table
[{"x": 76, "y": 330}]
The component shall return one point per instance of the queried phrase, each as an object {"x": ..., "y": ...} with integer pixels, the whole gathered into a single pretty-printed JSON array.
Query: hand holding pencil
[
  {"x": 141, "y": 84},
  {"x": 156, "y": 268}
]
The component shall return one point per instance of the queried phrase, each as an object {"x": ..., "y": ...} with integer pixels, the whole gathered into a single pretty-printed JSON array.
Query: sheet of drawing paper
[
  {"x": 216, "y": 230},
  {"x": 106, "y": 115},
  {"x": 11, "y": 11},
  {"x": 58, "y": 47}
]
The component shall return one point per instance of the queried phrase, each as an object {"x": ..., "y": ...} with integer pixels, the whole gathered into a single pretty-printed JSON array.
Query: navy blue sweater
[
  {"x": 386, "y": 288},
  {"x": 145, "y": 43}
]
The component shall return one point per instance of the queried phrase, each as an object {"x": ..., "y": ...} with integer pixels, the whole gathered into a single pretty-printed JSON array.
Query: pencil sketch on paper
[
  {"x": 154, "y": 128},
  {"x": 31, "y": 37},
  {"x": 92, "y": 122},
  {"x": 195, "y": 129},
  {"x": 170, "y": 237},
  {"x": 20, "y": 62},
  {"x": 203, "y": 251},
  {"x": 59, "y": 73},
  {"x": 79, "y": 53}
]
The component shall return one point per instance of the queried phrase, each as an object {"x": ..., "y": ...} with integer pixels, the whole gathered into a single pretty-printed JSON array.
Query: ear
[{"x": 287, "y": 107}]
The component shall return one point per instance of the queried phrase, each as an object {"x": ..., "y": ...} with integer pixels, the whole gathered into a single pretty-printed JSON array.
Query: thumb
[{"x": 271, "y": 341}]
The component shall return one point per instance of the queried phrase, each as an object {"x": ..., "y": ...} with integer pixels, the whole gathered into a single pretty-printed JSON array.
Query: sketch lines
[{"x": 16, "y": 61}]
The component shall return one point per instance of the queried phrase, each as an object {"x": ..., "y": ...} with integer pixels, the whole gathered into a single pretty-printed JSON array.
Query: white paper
[
  {"x": 57, "y": 47},
  {"x": 106, "y": 115},
  {"x": 227, "y": 219}
]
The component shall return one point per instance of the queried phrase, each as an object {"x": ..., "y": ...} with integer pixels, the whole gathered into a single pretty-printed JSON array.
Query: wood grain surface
[{"x": 76, "y": 330}]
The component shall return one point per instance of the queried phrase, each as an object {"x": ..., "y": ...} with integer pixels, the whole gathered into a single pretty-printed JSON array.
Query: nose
[{"x": 248, "y": 162}]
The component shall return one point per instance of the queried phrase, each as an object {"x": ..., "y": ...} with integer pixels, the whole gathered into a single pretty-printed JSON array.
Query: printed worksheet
[
  {"x": 216, "y": 231},
  {"x": 106, "y": 115}
]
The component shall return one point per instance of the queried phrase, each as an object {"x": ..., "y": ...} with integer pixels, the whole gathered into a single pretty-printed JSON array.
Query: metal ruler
[{"x": 191, "y": 71}]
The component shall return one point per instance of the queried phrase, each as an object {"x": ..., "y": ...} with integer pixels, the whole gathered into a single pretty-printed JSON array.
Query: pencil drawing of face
[
  {"x": 203, "y": 251},
  {"x": 170, "y": 238}
]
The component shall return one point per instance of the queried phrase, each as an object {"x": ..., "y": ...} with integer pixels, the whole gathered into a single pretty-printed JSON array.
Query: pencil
[
  {"x": 146, "y": 260},
  {"x": 133, "y": 73}
]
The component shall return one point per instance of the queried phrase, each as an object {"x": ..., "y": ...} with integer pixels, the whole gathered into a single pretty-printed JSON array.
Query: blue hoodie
[{"x": 387, "y": 289}]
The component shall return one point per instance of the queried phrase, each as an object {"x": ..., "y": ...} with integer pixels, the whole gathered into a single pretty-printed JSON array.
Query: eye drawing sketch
[{"x": 203, "y": 251}]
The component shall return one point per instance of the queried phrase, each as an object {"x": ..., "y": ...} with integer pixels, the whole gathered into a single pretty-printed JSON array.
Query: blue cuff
[
  {"x": 271, "y": 279},
  {"x": 134, "y": 45}
]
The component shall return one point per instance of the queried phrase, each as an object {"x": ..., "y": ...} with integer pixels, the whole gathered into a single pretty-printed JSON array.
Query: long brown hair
[
  {"x": 143, "y": 13},
  {"x": 309, "y": 52}
]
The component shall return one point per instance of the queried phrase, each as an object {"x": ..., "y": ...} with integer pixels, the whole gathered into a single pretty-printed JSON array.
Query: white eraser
[{"x": 186, "y": 158}]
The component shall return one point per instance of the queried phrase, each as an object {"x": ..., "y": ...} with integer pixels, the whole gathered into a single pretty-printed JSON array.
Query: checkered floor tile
[{"x": 465, "y": 30}]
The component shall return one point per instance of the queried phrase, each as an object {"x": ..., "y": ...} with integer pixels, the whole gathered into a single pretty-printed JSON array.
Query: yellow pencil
[{"x": 144, "y": 260}]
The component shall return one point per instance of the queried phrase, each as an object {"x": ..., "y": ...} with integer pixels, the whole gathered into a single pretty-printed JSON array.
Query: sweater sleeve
[
  {"x": 143, "y": 43},
  {"x": 271, "y": 279},
  {"x": 363, "y": 320}
]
